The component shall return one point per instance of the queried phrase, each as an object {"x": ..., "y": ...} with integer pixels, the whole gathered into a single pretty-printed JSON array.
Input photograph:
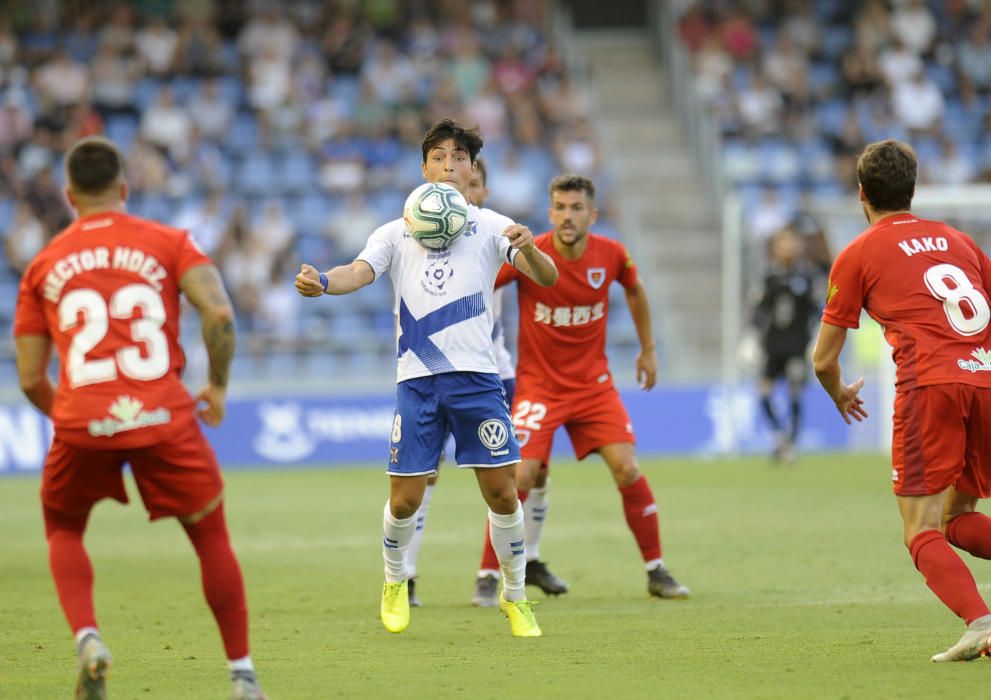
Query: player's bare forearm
[
  {"x": 220, "y": 339},
  {"x": 538, "y": 266},
  {"x": 826, "y": 362},
  {"x": 342, "y": 279},
  {"x": 636, "y": 300},
  {"x": 205, "y": 290},
  {"x": 33, "y": 355}
]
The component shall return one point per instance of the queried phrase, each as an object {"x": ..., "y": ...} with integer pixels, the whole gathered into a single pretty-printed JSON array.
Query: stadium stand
[{"x": 278, "y": 133}]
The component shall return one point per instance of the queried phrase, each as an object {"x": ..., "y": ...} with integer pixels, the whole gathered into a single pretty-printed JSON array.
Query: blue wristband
[{"x": 323, "y": 281}]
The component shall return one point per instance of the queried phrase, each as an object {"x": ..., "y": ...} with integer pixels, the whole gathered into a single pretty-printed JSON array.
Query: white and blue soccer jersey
[{"x": 444, "y": 298}]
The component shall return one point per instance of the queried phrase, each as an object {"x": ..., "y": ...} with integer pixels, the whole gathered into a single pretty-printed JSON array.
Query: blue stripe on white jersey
[{"x": 443, "y": 300}]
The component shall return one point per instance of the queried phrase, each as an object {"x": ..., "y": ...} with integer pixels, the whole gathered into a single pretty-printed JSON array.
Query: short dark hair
[
  {"x": 886, "y": 171},
  {"x": 468, "y": 139},
  {"x": 570, "y": 182},
  {"x": 482, "y": 170},
  {"x": 93, "y": 165}
]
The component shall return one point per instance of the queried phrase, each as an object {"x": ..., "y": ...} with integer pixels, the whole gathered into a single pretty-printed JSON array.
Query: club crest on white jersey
[{"x": 443, "y": 298}]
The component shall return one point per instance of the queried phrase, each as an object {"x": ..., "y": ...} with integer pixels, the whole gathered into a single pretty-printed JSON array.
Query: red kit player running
[
  {"x": 562, "y": 375},
  {"x": 928, "y": 285},
  {"x": 105, "y": 294}
]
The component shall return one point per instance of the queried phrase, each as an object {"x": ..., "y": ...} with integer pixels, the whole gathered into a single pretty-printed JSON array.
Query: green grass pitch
[{"x": 802, "y": 589}]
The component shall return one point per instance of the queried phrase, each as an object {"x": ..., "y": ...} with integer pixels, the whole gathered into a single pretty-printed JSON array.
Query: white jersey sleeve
[{"x": 381, "y": 246}]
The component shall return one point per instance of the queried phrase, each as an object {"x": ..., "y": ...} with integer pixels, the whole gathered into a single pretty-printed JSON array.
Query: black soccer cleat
[
  {"x": 414, "y": 602},
  {"x": 661, "y": 583},
  {"x": 537, "y": 574}
]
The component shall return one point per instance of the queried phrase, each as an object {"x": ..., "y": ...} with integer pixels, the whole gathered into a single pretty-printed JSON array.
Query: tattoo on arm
[{"x": 205, "y": 290}]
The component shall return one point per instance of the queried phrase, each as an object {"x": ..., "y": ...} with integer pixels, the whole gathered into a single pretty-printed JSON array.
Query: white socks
[
  {"x": 242, "y": 664},
  {"x": 396, "y": 535},
  {"x": 535, "y": 512},
  {"x": 508, "y": 540},
  {"x": 421, "y": 520}
]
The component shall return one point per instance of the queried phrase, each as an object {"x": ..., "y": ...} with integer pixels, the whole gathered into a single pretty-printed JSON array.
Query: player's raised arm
[
  {"x": 205, "y": 290},
  {"x": 342, "y": 279},
  {"x": 531, "y": 261},
  {"x": 636, "y": 299},
  {"x": 826, "y": 361},
  {"x": 33, "y": 355}
]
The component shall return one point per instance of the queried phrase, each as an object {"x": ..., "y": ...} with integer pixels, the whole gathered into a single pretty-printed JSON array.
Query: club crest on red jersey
[{"x": 596, "y": 276}]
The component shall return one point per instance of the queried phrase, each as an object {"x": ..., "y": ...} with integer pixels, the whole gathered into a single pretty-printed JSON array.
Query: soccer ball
[{"x": 435, "y": 215}]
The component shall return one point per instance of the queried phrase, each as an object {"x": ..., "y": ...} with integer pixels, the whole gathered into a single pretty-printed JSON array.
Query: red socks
[
  {"x": 490, "y": 562},
  {"x": 947, "y": 576},
  {"x": 971, "y": 532},
  {"x": 70, "y": 566},
  {"x": 641, "y": 516},
  {"x": 222, "y": 581}
]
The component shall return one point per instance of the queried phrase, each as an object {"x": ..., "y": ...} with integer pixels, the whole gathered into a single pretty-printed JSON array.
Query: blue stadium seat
[
  {"x": 823, "y": 75},
  {"x": 310, "y": 213},
  {"x": 836, "y": 39},
  {"x": 298, "y": 172},
  {"x": 831, "y": 114},
  {"x": 257, "y": 175},
  {"x": 121, "y": 129},
  {"x": 145, "y": 93},
  {"x": 242, "y": 136}
]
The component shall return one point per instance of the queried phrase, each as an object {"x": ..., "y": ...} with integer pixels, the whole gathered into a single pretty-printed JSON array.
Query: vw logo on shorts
[{"x": 493, "y": 433}]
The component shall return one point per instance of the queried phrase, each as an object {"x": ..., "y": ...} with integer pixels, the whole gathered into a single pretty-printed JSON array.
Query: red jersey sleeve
[
  {"x": 845, "y": 295},
  {"x": 626, "y": 270},
  {"x": 507, "y": 274},
  {"x": 189, "y": 256},
  {"x": 29, "y": 318}
]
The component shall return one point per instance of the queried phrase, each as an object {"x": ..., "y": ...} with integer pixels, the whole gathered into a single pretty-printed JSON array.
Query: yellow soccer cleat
[
  {"x": 521, "y": 619},
  {"x": 395, "y": 606}
]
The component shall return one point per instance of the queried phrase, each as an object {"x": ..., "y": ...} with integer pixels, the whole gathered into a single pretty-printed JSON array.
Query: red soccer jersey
[
  {"x": 562, "y": 342},
  {"x": 106, "y": 291},
  {"x": 927, "y": 285}
]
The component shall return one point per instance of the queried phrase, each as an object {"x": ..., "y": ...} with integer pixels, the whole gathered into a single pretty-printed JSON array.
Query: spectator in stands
[
  {"x": 16, "y": 121},
  {"x": 918, "y": 104},
  {"x": 166, "y": 124},
  {"x": 147, "y": 169},
  {"x": 62, "y": 81},
  {"x": 47, "y": 202},
  {"x": 348, "y": 229},
  {"x": 115, "y": 75},
  {"x": 951, "y": 168},
  {"x": 272, "y": 229},
  {"x": 24, "y": 237},
  {"x": 211, "y": 112},
  {"x": 156, "y": 44},
  {"x": 770, "y": 215},
  {"x": 873, "y": 27},
  {"x": 207, "y": 221},
  {"x": 974, "y": 57},
  {"x": 200, "y": 49},
  {"x": 760, "y": 106},
  {"x": 915, "y": 25},
  {"x": 898, "y": 63}
]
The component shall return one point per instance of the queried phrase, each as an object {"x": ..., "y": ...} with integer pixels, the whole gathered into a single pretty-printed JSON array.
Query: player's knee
[
  {"x": 403, "y": 506},
  {"x": 626, "y": 473}
]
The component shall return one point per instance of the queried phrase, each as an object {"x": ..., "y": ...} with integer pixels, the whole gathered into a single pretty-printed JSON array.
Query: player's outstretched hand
[
  {"x": 519, "y": 237},
  {"x": 211, "y": 404},
  {"x": 308, "y": 281},
  {"x": 647, "y": 369},
  {"x": 849, "y": 403}
]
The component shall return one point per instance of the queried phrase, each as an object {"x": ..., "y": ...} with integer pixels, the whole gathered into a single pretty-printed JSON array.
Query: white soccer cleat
[
  {"x": 94, "y": 667},
  {"x": 975, "y": 643}
]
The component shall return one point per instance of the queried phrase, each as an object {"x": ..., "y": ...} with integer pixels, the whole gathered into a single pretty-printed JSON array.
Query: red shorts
[
  {"x": 175, "y": 478},
  {"x": 592, "y": 421},
  {"x": 942, "y": 438}
]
